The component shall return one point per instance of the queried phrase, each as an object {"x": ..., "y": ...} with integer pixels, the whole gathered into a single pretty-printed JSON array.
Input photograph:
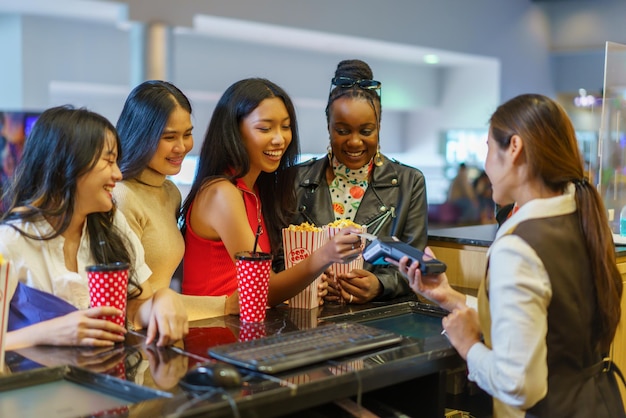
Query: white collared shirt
[
  {"x": 515, "y": 369},
  {"x": 41, "y": 264}
]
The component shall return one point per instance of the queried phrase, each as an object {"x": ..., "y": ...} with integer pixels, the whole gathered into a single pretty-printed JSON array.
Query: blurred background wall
[{"x": 445, "y": 65}]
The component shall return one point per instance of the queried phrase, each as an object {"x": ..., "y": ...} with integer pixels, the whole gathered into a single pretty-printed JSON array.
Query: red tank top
[{"x": 208, "y": 269}]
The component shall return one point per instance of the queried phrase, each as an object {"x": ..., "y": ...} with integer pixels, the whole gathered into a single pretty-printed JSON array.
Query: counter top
[
  {"x": 260, "y": 395},
  {"x": 477, "y": 235},
  {"x": 481, "y": 236}
]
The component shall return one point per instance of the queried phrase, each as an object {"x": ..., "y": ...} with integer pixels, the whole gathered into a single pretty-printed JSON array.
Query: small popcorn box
[
  {"x": 5, "y": 276},
  {"x": 344, "y": 268},
  {"x": 298, "y": 244}
]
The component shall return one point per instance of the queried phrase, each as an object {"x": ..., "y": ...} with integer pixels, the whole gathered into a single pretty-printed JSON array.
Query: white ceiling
[
  {"x": 117, "y": 13},
  {"x": 79, "y": 9}
]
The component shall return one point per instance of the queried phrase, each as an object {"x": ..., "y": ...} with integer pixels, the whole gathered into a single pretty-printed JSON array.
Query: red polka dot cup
[
  {"x": 108, "y": 286},
  {"x": 253, "y": 279}
]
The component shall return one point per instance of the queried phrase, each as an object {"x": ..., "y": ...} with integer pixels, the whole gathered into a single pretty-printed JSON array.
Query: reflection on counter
[
  {"x": 67, "y": 391},
  {"x": 419, "y": 357}
]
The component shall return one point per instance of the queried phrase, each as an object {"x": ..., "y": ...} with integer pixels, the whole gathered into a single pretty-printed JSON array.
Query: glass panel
[{"x": 611, "y": 161}]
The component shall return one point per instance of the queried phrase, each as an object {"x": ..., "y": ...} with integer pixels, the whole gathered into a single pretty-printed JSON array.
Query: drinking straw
[{"x": 256, "y": 238}]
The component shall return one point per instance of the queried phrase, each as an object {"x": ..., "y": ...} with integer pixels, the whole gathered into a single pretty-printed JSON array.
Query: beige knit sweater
[{"x": 150, "y": 203}]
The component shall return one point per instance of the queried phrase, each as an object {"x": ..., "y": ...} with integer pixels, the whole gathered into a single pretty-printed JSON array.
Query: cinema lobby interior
[{"x": 440, "y": 70}]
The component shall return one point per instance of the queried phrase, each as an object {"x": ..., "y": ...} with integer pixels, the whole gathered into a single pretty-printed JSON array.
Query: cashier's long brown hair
[{"x": 552, "y": 155}]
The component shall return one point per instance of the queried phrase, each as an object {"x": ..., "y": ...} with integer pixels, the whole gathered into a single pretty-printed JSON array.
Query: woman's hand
[
  {"x": 333, "y": 290},
  {"x": 431, "y": 287},
  {"x": 78, "y": 328},
  {"x": 359, "y": 286},
  {"x": 322, "y": 291},
  {"x": 435, "y": 288},
  {"x": 463, "y": 329},
  {"x": 344, "y": 247},
  {"x": 168, "y": 318}
]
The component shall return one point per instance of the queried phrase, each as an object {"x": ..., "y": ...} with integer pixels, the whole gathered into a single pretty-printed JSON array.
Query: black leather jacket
[{"x": 394, "y": 204}]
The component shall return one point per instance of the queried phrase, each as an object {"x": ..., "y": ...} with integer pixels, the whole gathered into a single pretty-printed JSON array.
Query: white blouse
[
  {"x": 515, "y": 369},
  {"x": 41, "y": 264}
]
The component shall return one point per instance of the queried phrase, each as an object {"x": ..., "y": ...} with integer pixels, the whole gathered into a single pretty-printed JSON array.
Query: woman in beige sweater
[{"x": 155, "y": 130}]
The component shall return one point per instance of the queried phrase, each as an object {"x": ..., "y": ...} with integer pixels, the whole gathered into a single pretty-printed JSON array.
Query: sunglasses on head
[{"x": 347, "y": 82}]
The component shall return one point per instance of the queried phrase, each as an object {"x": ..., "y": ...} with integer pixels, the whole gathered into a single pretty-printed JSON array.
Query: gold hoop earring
[
  {"x": 378, "y": 159},
  {"x": 329, "y": 151}
]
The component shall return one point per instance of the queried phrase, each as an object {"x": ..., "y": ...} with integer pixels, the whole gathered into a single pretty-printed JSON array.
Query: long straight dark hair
[
  {"x": 65, "y": 144},
  {"x": 142, "y": 121},
  {"x": 223, "y": 150}
]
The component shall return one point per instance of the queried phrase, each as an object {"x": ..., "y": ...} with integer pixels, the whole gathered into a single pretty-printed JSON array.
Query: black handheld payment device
[{"x": 388, "y": 247}]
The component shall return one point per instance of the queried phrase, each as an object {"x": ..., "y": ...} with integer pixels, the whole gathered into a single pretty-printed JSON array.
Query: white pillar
[
  {"x": 11, "y": 69},
  {"x": 157, "y": 51},
  {"x": 150, "y": 52}
]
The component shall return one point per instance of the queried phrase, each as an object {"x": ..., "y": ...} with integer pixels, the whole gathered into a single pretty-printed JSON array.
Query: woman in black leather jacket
[{"x": 358, "y": 183}]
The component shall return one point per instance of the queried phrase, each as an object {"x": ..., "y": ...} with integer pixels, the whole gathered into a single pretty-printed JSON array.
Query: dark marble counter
[{"x": 415, "y": 366}]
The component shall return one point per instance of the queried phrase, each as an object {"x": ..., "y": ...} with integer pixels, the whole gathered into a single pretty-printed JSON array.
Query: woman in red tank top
[{"x": 242, "y": 187}]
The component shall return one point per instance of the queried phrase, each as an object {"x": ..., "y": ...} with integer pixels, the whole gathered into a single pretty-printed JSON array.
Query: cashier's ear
[{"x": 516, "y": 148}]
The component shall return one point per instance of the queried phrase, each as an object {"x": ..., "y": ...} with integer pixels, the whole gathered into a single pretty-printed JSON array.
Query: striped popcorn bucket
[{"x": 297, "y": 246}]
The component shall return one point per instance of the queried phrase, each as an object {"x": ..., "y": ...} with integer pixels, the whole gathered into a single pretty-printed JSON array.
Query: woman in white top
[{"x": 61, "y": 218}]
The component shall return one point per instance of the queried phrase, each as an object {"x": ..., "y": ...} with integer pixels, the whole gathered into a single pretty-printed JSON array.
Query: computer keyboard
[{"x": 291, "y": 350}]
